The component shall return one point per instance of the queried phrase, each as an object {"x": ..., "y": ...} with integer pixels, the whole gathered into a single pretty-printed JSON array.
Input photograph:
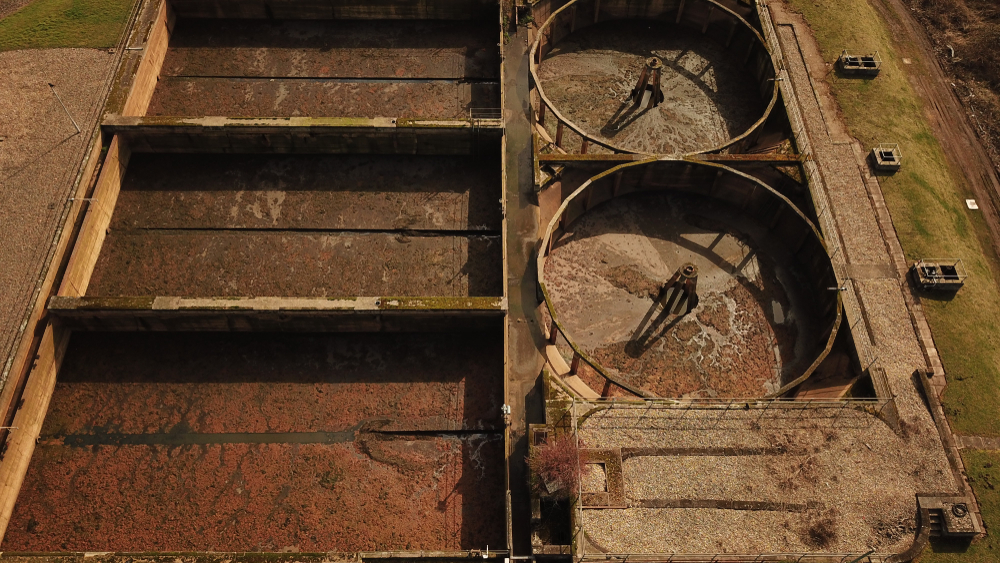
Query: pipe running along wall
[
  {"x": 708, "y": 17},
  {"x": 724, "y": 184}
]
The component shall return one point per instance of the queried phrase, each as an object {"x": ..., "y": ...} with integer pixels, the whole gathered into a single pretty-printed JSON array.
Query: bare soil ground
[
  {"x": 195, "y": 442},
  {"x": 166, "y": 191},
  {"x": 296, "y": 264},
  {"x": 709, "y": 99},
  {"x": 40, "y": 153},
  {"x": 972, "y": 29}
]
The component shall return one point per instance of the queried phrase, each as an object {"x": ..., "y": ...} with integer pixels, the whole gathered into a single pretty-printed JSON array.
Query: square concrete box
[
  {"x": 860, "y": 65},
  {"x": 887, "y": 158}
]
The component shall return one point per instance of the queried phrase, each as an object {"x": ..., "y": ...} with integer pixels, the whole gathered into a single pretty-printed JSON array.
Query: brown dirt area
[
  {"x": 269, "y": 97},
  {"x": 38, "y": 164},
  {"x": 215, "y": 382},
  {"x": 244, "y": 442},
  {"x": 439, "y": 493},
  {"x": 266, "y": 225},
  {"x": 333, "y": 49},
  {"x": 972, "y": 28},
  {"x": 8, "y": 7}
]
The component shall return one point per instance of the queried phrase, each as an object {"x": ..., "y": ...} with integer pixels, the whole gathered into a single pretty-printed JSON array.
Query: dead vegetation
[
  {"x": 966, "y": 34},
  {"x": 556, "y": 465}
]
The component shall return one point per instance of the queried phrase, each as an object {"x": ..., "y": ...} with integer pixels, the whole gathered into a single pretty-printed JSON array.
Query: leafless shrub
[
  {"x": 556, "y": 465},
  {"x": 982, "y": 56}
]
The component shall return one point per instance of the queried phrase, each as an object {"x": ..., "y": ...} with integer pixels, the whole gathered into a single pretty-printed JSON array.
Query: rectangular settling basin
[
  {"x": 329, "y": 68},
  {"x": 261, "y": 442},
  {"x": 304, "y": 226}
]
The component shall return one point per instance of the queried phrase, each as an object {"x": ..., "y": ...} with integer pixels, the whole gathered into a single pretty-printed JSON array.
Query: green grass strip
[
  {"x": 927, "y": 202},
  {"x": 47, "y": 24}
]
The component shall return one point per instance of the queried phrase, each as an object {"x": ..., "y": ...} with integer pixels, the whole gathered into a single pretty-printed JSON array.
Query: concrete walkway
[
  {"x": 978, "y": 442},
  {"x": 887, "y": 326},
  {"x": 524, "y": 337}
]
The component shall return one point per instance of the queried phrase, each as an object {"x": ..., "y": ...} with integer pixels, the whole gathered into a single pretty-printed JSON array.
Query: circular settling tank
[
  {"x": 706, "y": 97},
  {"x": 683, "y": 294}
]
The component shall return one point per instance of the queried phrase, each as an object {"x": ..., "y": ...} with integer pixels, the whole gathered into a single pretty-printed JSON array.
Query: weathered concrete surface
[
  {"x": 319, "y": 98},
  {"x": 709, "y": 97},
  {"x": 333, "y": 49},
  {"x": 305, "y": 135},
  {"x": 197, "y": 442},
  {"x": 169, "y": 191},
  {"x": 525, "y": 339},
  {"x": 40, "y": 154},
  {"x": 296, "y": 264}
]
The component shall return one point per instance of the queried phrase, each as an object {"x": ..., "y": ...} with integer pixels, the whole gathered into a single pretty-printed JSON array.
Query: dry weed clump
[
  {"x": 982, "y": 55},
  {"x": 556, "y": 466}
]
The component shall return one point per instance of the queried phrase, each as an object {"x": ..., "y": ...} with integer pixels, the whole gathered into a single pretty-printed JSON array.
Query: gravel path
[
  {"x": 40, "y": 153},
  {"x": 855, "y": 474}
]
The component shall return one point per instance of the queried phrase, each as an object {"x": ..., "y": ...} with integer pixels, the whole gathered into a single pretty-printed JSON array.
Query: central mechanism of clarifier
[
  {"x": 682, "y": 289},
  {"x": 649, "y": 79}
]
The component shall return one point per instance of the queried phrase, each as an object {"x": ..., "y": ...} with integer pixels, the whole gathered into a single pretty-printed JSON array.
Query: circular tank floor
[
  {"x": 749, "y": 332},
  {"x": 709, "y": 98}
]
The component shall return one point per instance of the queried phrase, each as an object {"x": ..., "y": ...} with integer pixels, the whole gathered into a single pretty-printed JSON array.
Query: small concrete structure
[
  {"x": 887, "y": 157},
  {"x": 941, "y": 275},
  {"x": 859, "y": 65}
]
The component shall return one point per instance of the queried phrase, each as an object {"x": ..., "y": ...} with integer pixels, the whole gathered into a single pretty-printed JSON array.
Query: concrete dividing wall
[
  {"x": 275, "y": 314},
  {"x": 338, "y": 9},
  {"x": 148, "y": 72},
  {"x": 305, "y": 135}
]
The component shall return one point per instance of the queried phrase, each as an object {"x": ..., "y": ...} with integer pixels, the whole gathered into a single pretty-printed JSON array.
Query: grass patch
[
  {"x": 47, "y": 24},
  {"x": 927, "y": 205},
  {"x": 984, "y": 474}
]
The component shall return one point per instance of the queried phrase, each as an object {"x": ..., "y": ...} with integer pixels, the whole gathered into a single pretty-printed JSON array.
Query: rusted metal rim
[
  {"x": 542, "y": 257},
  {"x": 533, "y": 69}
]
